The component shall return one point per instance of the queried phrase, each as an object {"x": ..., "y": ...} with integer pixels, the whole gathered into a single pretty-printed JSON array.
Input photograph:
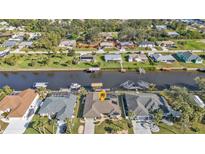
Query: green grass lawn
[
  {"x": 190, "y": 45},
  {"x": 120, "y": 125},
  {"x": 176, "y": 129},
  {"x": 45, "y": 126},
  {"x": 3, "y": 126},
  {"x": 2, "y": 48}
]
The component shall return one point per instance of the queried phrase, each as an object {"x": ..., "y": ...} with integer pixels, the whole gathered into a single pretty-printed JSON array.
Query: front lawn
[
  {"x": 176, "y": 129},
  {"x": 189, "y": 45},
  {"x": 41, "y": 125},
  {"x": 112, "y": 127}
]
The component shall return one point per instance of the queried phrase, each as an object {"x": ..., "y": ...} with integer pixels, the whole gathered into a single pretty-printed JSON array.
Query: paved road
[
  {"x": 89, "y": 126},
  {"x": 139, "y": 129}
]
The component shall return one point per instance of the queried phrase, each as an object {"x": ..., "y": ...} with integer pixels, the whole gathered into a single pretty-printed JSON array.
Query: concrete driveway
[
  {"x": 139, "y": 129},
  {"x": 89, "y": 126}
]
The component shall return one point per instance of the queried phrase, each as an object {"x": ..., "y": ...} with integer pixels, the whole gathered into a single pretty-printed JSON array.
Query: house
[
  {"x": 68, "y": 43},
  {"x": 137, "y": 57},
  {"x": 4, "y": 23},
  {"x": 59, "y": 107},
  {"x": 9, "y": 43},
  {"x": 142, "y": 105},
  {"x": 21, "y": 105},
  {"x": 95, "y": 108},
  {"x": 17, "y": 38},
  {"x": 112, "y": 57},
  {"x": 188, "y": 57},
  {"x": 87, "y": 58},
  {"x": 173, "y": 34},
  {"x": 25, "y": 44},
  {"x": 162, "y": 58},
  {"x": 3, "y": 53},
  {"x": 147, "y": 44},
  {"x": 167, "y": 44},
  {"x": 108, "y": 35},
  {"x": 161, "y": 27},
  {"x": 126, "y": 44},
  {"x": 107, "y": 44}
]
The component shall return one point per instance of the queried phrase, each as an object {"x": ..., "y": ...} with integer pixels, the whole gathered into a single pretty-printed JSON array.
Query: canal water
[{"x": 56, "y": 80}]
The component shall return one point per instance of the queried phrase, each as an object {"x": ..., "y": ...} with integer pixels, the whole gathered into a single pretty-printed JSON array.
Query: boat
[
  {"x": 143, "y": 84},
  {"x": 93, "y": 69},
  {"x": 129, "y": 85},
  {"x": 75, "y": 86},
  {"x": 40, "y": 84}
]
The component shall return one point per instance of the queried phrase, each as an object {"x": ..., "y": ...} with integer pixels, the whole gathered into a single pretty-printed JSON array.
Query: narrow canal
[{"x": 56, "y": 80}]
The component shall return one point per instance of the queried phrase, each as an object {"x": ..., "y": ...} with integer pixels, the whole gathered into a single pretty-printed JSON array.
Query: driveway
[
  {"x": 89, "y": 126},
  {"x": 139, "y": 129}
]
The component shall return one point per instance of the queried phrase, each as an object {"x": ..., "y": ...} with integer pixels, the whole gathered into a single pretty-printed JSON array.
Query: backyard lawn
[
  {"x": 190, "y": 45},
  {"x": 41, "y": 125}
]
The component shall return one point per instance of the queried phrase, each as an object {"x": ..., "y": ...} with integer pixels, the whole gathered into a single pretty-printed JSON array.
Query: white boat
[
  {"x": 75, "y": 86},
  {"x": 40, "y": 84}
]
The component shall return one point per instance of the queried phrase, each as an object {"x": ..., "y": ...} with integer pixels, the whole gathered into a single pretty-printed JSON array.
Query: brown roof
[
  {"x": 94, "y": 108},
  {"x": 18, "y": 104}
]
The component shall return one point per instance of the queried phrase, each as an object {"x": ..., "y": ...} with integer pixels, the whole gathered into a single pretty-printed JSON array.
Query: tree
[
  {"x": 7, "y": 90},
  {"x": 158, "y": 115},
  {"x": 200, "y": 82}
]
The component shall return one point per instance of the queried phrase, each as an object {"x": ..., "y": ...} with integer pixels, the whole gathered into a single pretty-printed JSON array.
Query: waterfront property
[
  {"x": 107, "y": 44},
  {"x": 20, "y": 106},
  {"x": 68, "y": 43},
  {"x": 167, "y": 44},
  {"x": 140, "y": 106},
  {"x": 87, "y": 58},
  {"x": 137, "y": 57},
  {"x": 188, "y": 57},
  {"x": 112, "y": 57},
  {"x": 156, "y": 57},
  {"x": 96, "y": 108},
  {"x": 58, "y": 107}
]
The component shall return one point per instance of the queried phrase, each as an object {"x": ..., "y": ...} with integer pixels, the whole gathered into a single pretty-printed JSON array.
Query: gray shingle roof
[{"x": 61, "y": 106}]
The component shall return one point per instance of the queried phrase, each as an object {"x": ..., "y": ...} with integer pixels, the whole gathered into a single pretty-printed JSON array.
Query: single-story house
[
  {"x": 142, "y": 105},
  {"x": 137, "y": 57},
  {"x": 161, "y": 27},
  {"x": 188, "y": 57},
  {"x": 25, "y": 44},
  {"x": 112, "y": 57},
  {"x": 173, "y": 34},
  {"x": 87, "y": 58},
  {"x": 167, "y": 44},
  {"x": 17, "y": 38},
  {"x": 59, "y": 107},
  {"x": 107, "y": 44},
  {"x": 9, "y": 43},
  {"x": 162, "y": 58},
  {"x": 68, "y": 43},
  {"x": 147, "y": 44},
  {"x": 126, "y": 44},
  {"x": 20, "y": 105},
  {"x": 94, "y": 108}
]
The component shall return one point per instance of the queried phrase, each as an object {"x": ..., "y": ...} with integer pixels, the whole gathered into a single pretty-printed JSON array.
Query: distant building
[
  {"x": 9, "y": 43},
  {"x": 188, "y": 57},
  {"x": 137, "y": 57},
  {"x": 162, "y": 58},
  {"x": 20, "y": 105},
  {"x": 87, "y": 58},
  {"x": 167, "y": 44},
  {"x": 161, "y": 27},
  {"x": 94, "y": 108},
  {"x": 173, "y": 34},
  {"x": 112, "y": 57},
  {"x": 58, "y": 107},
  {"x": 25, "y": 44},
  {"x": 68, "y": 43},
  {"x": 126, "y": 44},
  {"x": 147, "y": 44},
  {"x": 107, "y": 44},
  {"x": 199, "y": 102}
]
